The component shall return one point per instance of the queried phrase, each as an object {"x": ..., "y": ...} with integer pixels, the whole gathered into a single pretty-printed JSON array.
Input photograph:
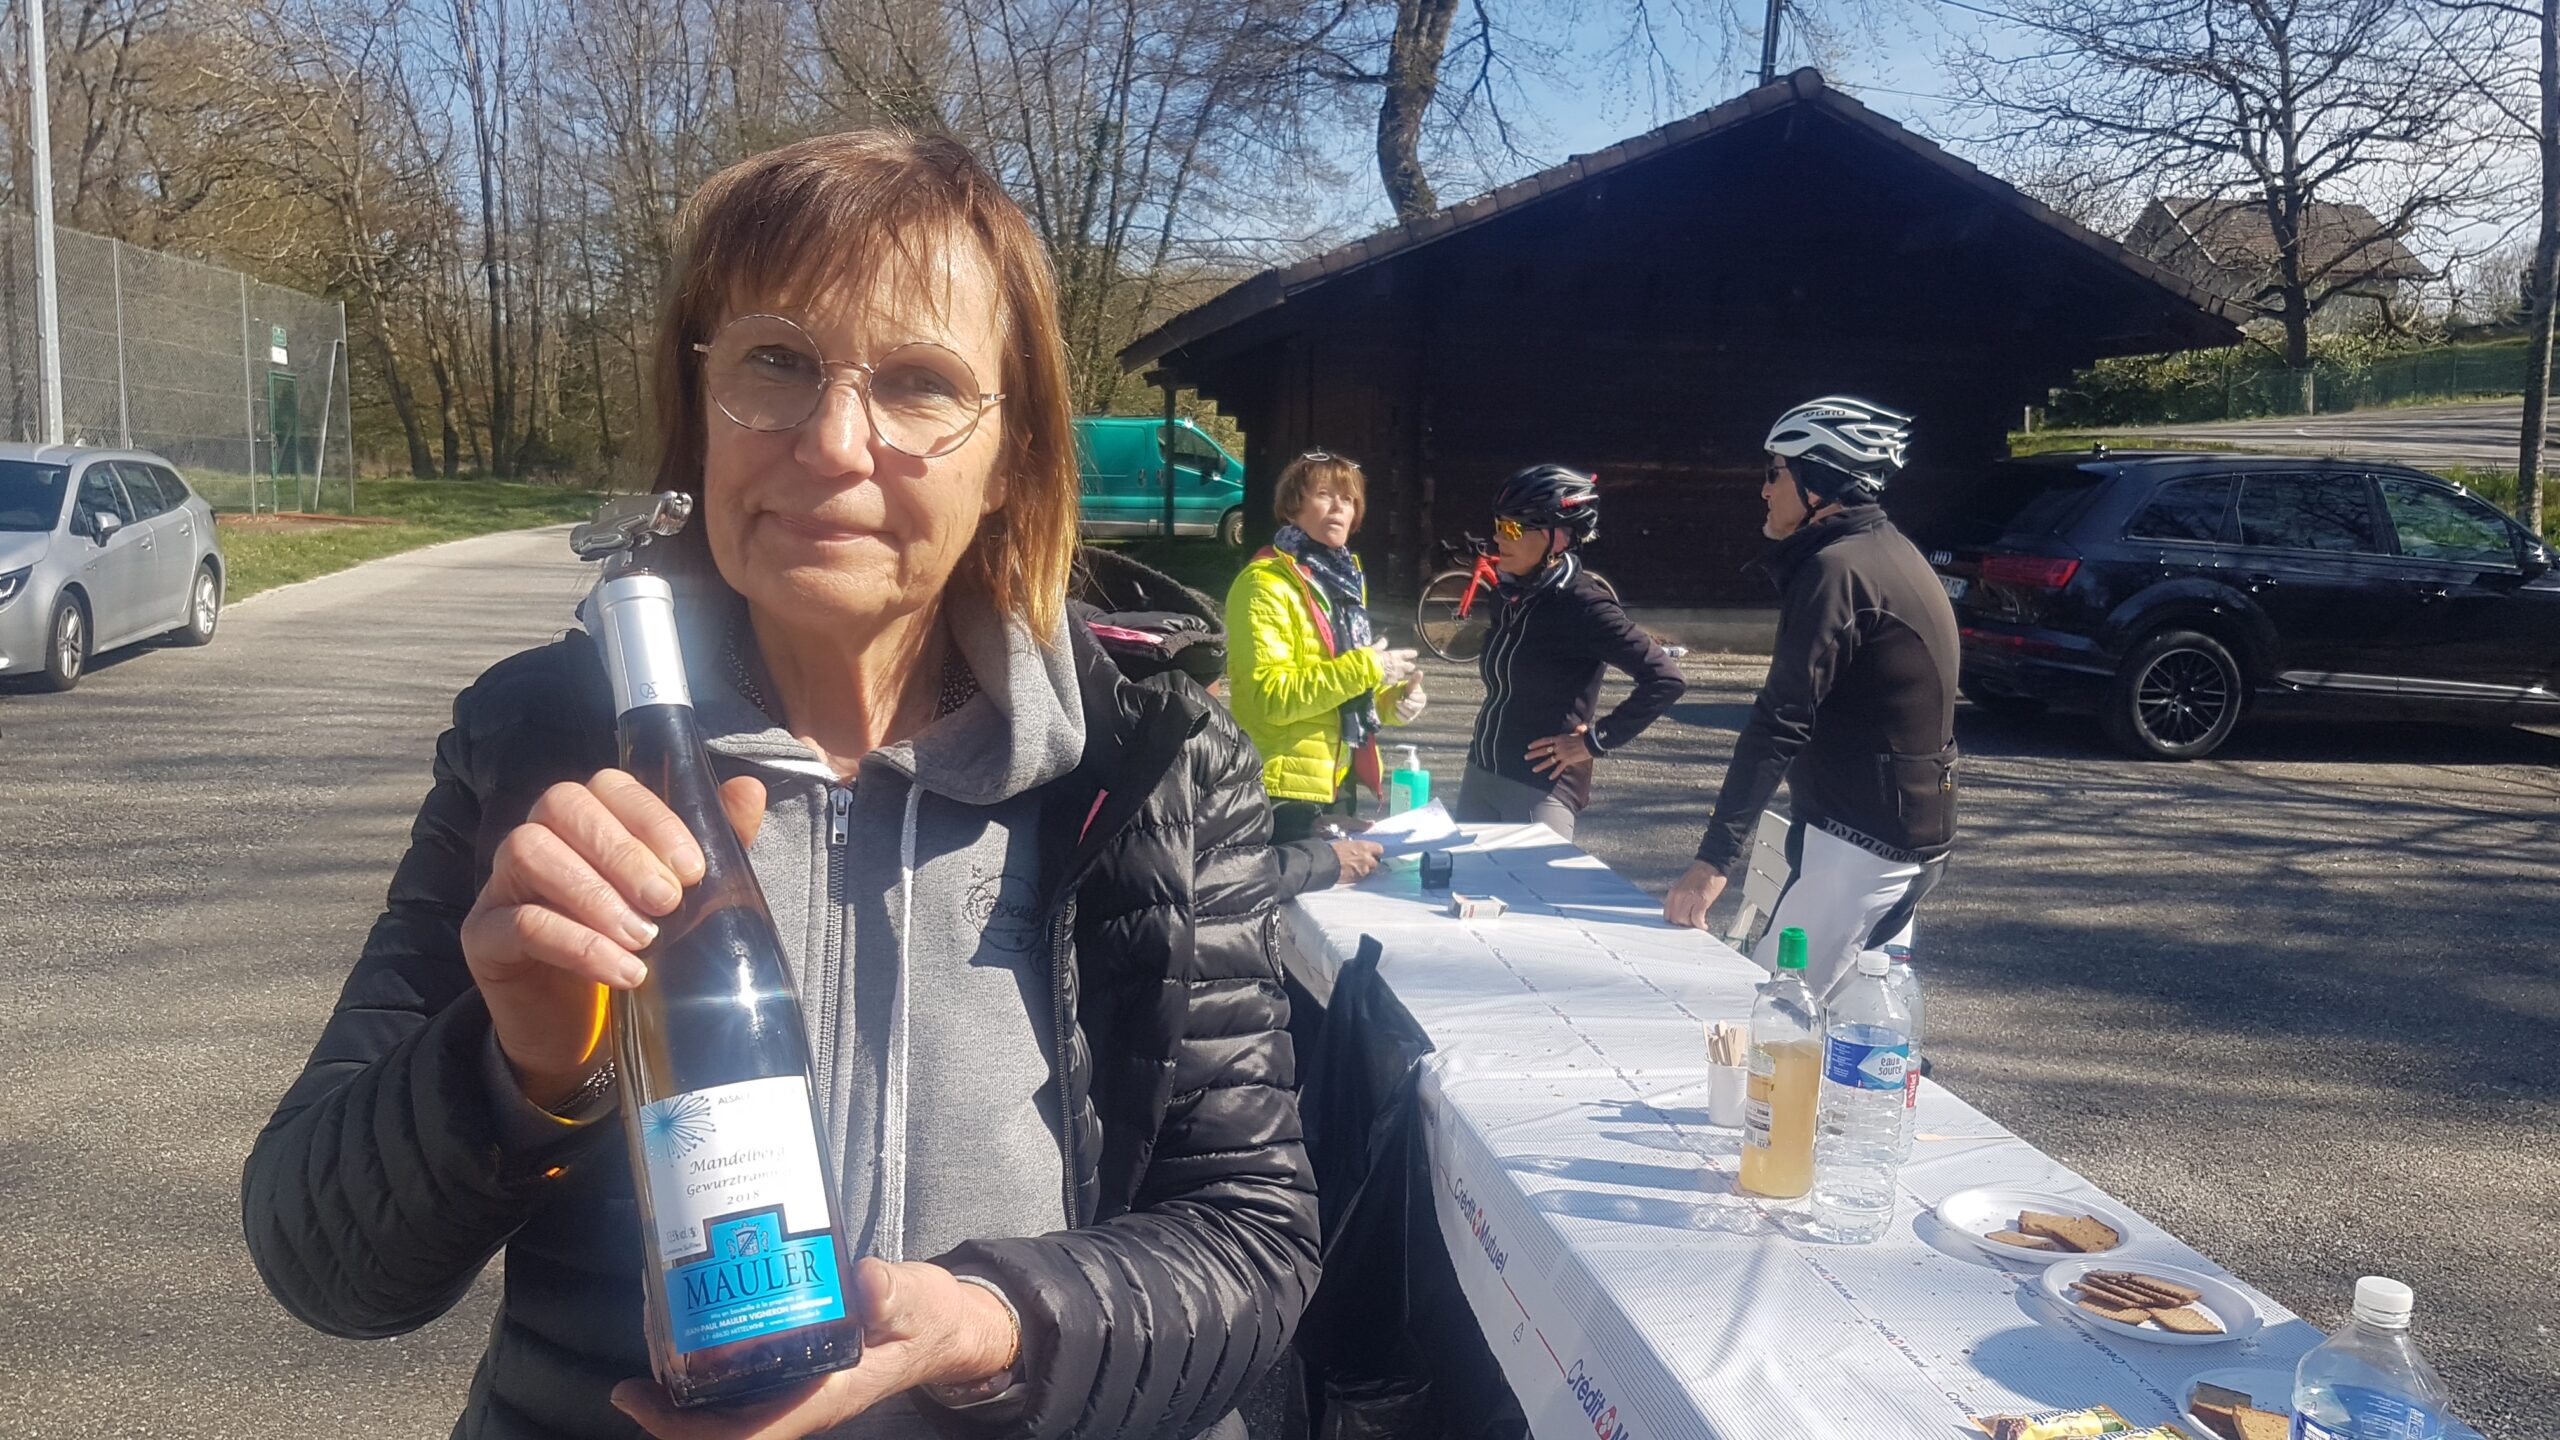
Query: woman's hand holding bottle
[{"x": 567, "y": 909}]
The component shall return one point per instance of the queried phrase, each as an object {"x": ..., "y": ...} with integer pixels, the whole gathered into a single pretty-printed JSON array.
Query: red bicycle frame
[{"x": 1484, "y": 577}]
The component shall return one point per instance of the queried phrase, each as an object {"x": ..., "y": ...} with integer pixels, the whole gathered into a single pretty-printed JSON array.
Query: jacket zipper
[
  {"x": 1058, "y": 932},
  {"x": 839, "y": 833}
]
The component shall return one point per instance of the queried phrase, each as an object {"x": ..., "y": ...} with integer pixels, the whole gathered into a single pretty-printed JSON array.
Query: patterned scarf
[{"x": 1337, "y": 572}]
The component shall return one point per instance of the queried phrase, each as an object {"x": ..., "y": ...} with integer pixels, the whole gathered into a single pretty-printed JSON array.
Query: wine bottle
[{"x": 749, "y": 1282}]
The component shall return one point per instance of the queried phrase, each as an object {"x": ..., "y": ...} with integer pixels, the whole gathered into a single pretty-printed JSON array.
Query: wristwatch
[{"x": 999, "y": 1386}]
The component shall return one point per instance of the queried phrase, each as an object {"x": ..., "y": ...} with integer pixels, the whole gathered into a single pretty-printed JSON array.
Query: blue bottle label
[
  {"x": 1861, "y": 1066},
  {"x": 755, "y": 1281},
  {"x": 739, "y": 1202},
  {"x": 2371, "y": 1415}
]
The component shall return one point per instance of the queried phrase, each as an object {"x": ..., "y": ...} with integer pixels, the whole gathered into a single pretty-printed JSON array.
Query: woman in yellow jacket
[{"x": 1306, "y": 676}]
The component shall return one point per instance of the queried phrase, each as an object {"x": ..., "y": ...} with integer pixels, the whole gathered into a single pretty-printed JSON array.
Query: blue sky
[
  {"x": 1589, "y": 99},
  {"x": 1889, "y": 53},
  {"x": 1891, "y": 63}
]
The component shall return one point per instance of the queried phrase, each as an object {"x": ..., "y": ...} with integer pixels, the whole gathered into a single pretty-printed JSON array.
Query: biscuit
[{"x": 2187, "y": 1320}]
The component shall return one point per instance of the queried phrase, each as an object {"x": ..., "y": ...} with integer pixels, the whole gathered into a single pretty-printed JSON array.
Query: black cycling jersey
[
  {"x": 1860, "y": 698},
  {"x": 1552, "y": 633}
]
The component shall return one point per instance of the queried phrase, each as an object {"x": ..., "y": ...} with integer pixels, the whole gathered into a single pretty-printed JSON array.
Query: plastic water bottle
[
  {"x": 1866, "y": 1052},
  {"x": 2367, "y": 1382},
  {"x": 1904, "y": 982}
]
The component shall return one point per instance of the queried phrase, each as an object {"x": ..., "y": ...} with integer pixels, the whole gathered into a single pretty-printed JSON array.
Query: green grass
[
  {"x": 227, "y": 490},
  {"x": 427, "y": 512},
  {"x": 2043, "y": 442}
]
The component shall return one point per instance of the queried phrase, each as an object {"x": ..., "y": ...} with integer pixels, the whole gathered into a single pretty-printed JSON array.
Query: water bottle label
[
  {"x": 2371, "y": 1415},
  {"x": 740, "y": 1205},
  {"x": 1865, "y": 1067}
]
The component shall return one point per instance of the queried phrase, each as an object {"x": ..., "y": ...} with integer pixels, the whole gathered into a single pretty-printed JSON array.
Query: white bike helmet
[{"x": 1856, "y": 446}]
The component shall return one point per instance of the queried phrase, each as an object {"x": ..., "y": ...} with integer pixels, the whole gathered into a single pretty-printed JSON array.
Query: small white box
[{"x": 1476, "y": 907}]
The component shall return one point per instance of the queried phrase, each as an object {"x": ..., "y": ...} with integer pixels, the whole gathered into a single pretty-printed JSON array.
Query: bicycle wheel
[{"x": 1444, "y": 631}]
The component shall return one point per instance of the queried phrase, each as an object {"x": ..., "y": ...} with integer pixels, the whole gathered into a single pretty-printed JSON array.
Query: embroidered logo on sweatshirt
[{"x": 1006, "y": 910}]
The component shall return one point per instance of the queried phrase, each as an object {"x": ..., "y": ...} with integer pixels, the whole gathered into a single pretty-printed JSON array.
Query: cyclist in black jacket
[
  {"x": 1552, "y": 630},
  {"x": 1858, "y": 712}
]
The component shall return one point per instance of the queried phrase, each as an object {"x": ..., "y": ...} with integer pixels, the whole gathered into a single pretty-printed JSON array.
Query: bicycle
[{"x": 1446, "y": 617}]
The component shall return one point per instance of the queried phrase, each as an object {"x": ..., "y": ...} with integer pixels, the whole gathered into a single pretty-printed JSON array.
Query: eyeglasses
[
  {"x": 1318, "y": 457},
  {"x": 1777, "y": 470},
  {"x": 1506, "y": 528},
  {"x": 765, "y": 373}
]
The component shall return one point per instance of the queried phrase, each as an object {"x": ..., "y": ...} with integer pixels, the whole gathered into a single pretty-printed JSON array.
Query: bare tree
[
  {"x": 2284, "y": 105},
  {"x": 1410, "y": 81},
  {"x": 1117, "y": 126},
  {"x": 2542, "y": 276},
  {"x": 1444, "y": 71},
  {"x": 2527, "y": 99},
  {"x": 481, "y": 55}
]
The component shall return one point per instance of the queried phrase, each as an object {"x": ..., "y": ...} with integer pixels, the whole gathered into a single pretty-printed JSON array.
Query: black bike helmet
[{"x": 1552, "y": 497}]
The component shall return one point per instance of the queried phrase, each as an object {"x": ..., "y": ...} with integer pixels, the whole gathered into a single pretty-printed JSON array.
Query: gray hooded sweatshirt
[{"x": 908, "y": 903}]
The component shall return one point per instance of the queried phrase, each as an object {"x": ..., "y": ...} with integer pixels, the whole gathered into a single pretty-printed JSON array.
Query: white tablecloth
[{"x": 1628, "y": 1289}]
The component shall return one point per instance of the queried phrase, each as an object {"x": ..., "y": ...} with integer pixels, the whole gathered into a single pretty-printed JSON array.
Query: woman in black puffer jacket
[{"x": 978, "y": 832}]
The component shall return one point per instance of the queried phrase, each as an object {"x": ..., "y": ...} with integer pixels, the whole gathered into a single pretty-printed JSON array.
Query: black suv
[{"x": 2173, "y": 591}]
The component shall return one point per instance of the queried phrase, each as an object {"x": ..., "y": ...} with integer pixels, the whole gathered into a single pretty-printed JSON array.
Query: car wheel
[
  {"x": 1231, "y": 527},
  {"x": 66, "y": 648},
  {"x": 1998, "y": 702},
  {"x": 204, "y": 608},
  {"x": 2175, "y": 698}
]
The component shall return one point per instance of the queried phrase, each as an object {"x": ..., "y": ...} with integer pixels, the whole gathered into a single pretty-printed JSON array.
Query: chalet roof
[
  {"x": 1805, "y": 89},
  {"x": 2235, "y": 235}
]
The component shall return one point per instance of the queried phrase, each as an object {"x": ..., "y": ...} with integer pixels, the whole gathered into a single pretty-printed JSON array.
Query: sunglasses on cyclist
[{"x": 1507, "y": 528}]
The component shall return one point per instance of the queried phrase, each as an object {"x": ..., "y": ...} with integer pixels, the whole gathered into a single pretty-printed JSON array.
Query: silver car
[{"x": 99, "y": 548}]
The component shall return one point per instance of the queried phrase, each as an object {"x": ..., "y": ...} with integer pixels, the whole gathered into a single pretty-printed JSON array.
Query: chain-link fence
[{"x": 242, "y": 384}]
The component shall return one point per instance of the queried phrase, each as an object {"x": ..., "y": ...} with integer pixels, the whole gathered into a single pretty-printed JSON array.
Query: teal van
[{"x": 1123, "y": 460}]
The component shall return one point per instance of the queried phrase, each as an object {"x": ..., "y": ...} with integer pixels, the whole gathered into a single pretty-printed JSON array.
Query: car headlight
[{"x": 13, "y": 582}]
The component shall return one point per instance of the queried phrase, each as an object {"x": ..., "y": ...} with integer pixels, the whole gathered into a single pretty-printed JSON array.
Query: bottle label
[
  {"x": 1759, "y": 1119},
  {"x": 740, "y": 1203},
  {"x": 1911, "y": 1090},
  {"x": 2371, "y": 1415},
  {"x": 1859, "y": 1066},
  {"x": 1759, "y": 1110}
]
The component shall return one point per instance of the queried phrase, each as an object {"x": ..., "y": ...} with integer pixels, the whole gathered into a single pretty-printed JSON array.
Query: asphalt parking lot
[{"x": 2296, "y": 1003}]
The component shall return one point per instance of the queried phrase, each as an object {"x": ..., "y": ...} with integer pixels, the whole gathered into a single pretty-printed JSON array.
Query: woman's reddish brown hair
[{"x": 775, "y": 231}]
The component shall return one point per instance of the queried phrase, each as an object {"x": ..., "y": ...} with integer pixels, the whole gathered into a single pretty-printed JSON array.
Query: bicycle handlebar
[{"x": 1466, "y": 545}]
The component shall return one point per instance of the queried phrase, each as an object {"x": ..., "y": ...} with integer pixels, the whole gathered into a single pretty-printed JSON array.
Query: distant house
[{"x": 2229, "y": 248}]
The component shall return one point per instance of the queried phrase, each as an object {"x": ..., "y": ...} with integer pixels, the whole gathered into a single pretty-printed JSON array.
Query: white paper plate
[
  {"x": 2223, "y": 1300},
  {"x": 2266, "y": 1389},
  {"x": 1975, "y": 1214}
]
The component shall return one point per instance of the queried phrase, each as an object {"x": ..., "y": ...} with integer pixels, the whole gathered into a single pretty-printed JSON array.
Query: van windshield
[{"x": 31, "y": 496}]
